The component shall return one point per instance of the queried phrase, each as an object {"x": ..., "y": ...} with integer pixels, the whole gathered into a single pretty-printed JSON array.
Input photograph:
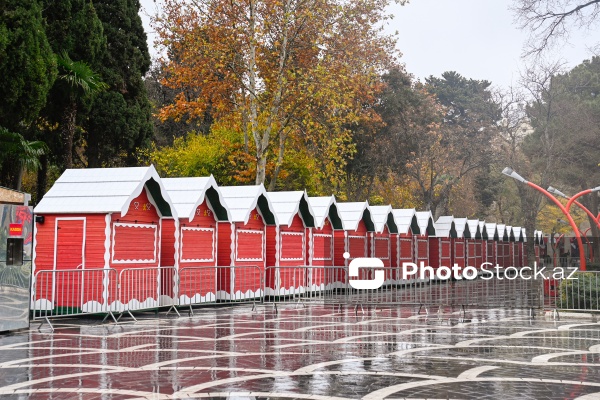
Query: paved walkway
[{"x": 307, "y": 353}]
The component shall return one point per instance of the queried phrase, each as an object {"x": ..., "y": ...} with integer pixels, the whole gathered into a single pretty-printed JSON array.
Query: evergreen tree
[
  {"x": 27, "y": 71},
  {"x": 120, "y": 118},
  {"x": 74, "y": 32},
  {"x": 27, "y": 64}
]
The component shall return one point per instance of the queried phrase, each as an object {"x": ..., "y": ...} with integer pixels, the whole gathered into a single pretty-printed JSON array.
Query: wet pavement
[{"x": 309, "y": 352}]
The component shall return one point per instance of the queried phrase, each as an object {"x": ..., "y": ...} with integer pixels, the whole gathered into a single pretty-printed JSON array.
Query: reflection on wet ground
[{"x": 307, "y": 352}]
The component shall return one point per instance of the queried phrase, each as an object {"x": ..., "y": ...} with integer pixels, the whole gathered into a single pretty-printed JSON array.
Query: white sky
[{"x": 476, "y": 38}]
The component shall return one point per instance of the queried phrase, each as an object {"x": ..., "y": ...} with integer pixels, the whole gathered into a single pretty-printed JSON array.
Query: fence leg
[
  {"x": 48, "y": 322},
  {"x": 555, "y": 315},
  {"x": 174, "y": 309},
  {"x": 420, "y": 307},
  {"x": 531, "y": 313},
  {"x": 110, "y": 314},
  {"x": 128, "y": 312},
  {"x": 191, "y": 312}
]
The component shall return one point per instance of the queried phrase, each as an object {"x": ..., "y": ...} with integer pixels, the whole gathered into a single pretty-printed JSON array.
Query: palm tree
[
  {"x": 18, "y": 155},
  {"x": 81, "y": 81}
]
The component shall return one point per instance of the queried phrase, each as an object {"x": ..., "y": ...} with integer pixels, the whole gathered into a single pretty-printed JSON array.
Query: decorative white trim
[
  {"x": 189, "y": 260},
  {"x": 280, "y": 247},
  {"x": 254, "y": 232},
  {"x": 176, "y": 226},
  {"x": 324, "y": 235},
  {"x": 33, "y": 257},
  {"x": 277, "y": 247},
  {"x": 375, "y": 247},
  {"x": 106, "y": 278},
  {"x": 131, "y": 225}
]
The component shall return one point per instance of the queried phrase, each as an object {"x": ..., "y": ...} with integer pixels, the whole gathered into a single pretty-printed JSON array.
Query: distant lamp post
[{"x": 513, "y": 174}]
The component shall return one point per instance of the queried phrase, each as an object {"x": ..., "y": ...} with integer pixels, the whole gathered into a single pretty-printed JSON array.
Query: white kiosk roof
[
  {"x": 352, "y": 213},
  {"x": 241, "y": 200},
  {"x": 287, "y": 204},
  {"x": 406, "y": 219},
  {"x": 323, "y": 207},
  {"x": 382, "y": 216},
  {"x": 104, "y": 190},
  {"x": 188, "y": 193}
]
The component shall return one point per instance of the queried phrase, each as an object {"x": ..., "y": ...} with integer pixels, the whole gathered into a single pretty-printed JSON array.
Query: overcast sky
[{"x": 476, "y": 38}]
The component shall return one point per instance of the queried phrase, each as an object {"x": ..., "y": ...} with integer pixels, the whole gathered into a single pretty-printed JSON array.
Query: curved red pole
[
  {"x": 565, "y": 211},
  {"x": 588, "y": 212}
]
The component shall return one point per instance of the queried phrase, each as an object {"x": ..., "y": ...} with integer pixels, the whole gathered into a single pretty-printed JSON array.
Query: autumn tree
[{"x": 306, "y": 69}]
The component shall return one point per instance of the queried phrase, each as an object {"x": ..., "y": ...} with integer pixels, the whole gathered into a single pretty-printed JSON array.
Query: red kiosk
[
  {"x": 354, "y": 239},
  {"x": 95, "y": 220},
  {"x": 440, "y": 246},
  {"x": 518, "y": 246},
  {"x": 386, "y": 234},
  {"x": 459, "y": 243},
  {"x": 492, "y": 241},
  {"x": 503, "y": 246},
  {"x": 321, "y": 240},
  {"x": 403, "y": 251},
  {"x": 242, "y": 242},
  {"x": 287, "y": 242},
  {"x": 190, "y": 242},
  {"x": 427, "y": 229},
  {"x": 474, "y": 253}
]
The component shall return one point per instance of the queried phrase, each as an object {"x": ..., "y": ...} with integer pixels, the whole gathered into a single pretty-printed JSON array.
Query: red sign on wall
[{"x": 15, "y": 230}]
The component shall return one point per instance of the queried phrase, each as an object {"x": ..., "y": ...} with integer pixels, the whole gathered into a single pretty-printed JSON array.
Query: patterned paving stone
[{"x": 306, "y": 352}]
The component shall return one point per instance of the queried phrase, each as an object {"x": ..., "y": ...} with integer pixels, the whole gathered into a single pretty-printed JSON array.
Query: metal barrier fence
[
  {"x": 305, "y": 284},
  {"x": 218, "y": 285},
  {"x": 331, "y": 286},
  {"x": 61, "y": 293},
  {"x": 145, "y": 288},
  {"x": 65, "y": 293},
  {"x": 579, "y": 293}
]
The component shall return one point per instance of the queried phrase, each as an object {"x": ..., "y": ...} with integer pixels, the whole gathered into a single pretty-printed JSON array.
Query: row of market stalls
[{"x": 225, "y": 242}]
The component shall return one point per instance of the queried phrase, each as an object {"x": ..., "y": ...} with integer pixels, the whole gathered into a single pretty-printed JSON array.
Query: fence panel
[
  {"x": 62, "y": 293},
  {"x": 580, "y": 293},
  {"x": 145, "y": 288}
]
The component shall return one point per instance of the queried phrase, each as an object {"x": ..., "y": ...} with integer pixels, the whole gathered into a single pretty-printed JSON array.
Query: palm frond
[
  {"x": 79, "y": 75},
  {"x": 13, "y": 146}
]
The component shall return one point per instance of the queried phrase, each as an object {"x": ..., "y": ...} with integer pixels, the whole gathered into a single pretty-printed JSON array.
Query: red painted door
[{"x": 69, "y": 248}]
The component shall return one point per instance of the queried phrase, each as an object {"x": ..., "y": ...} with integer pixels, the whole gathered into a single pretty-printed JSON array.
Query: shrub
[{"x": 582, "y": 293}]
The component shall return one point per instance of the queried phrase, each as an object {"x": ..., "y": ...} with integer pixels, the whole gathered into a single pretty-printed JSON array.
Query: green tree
[
  {"x": 76, "y": 35},
  {"x": 468, "y": 128},
  {"x": 120, "y": 121},
  {"x": 81, "y": 81},
  {"x": 27, "y": 64},
  {"x": 27, "y": 68}
]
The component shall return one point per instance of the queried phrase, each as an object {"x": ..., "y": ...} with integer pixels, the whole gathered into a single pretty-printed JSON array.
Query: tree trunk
[
  {"x": 282, "y": 138},
  {"x": 42, "y": 178},
  {"x": 68, "y": 133},
  {"x": 261, "y": 167}
]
